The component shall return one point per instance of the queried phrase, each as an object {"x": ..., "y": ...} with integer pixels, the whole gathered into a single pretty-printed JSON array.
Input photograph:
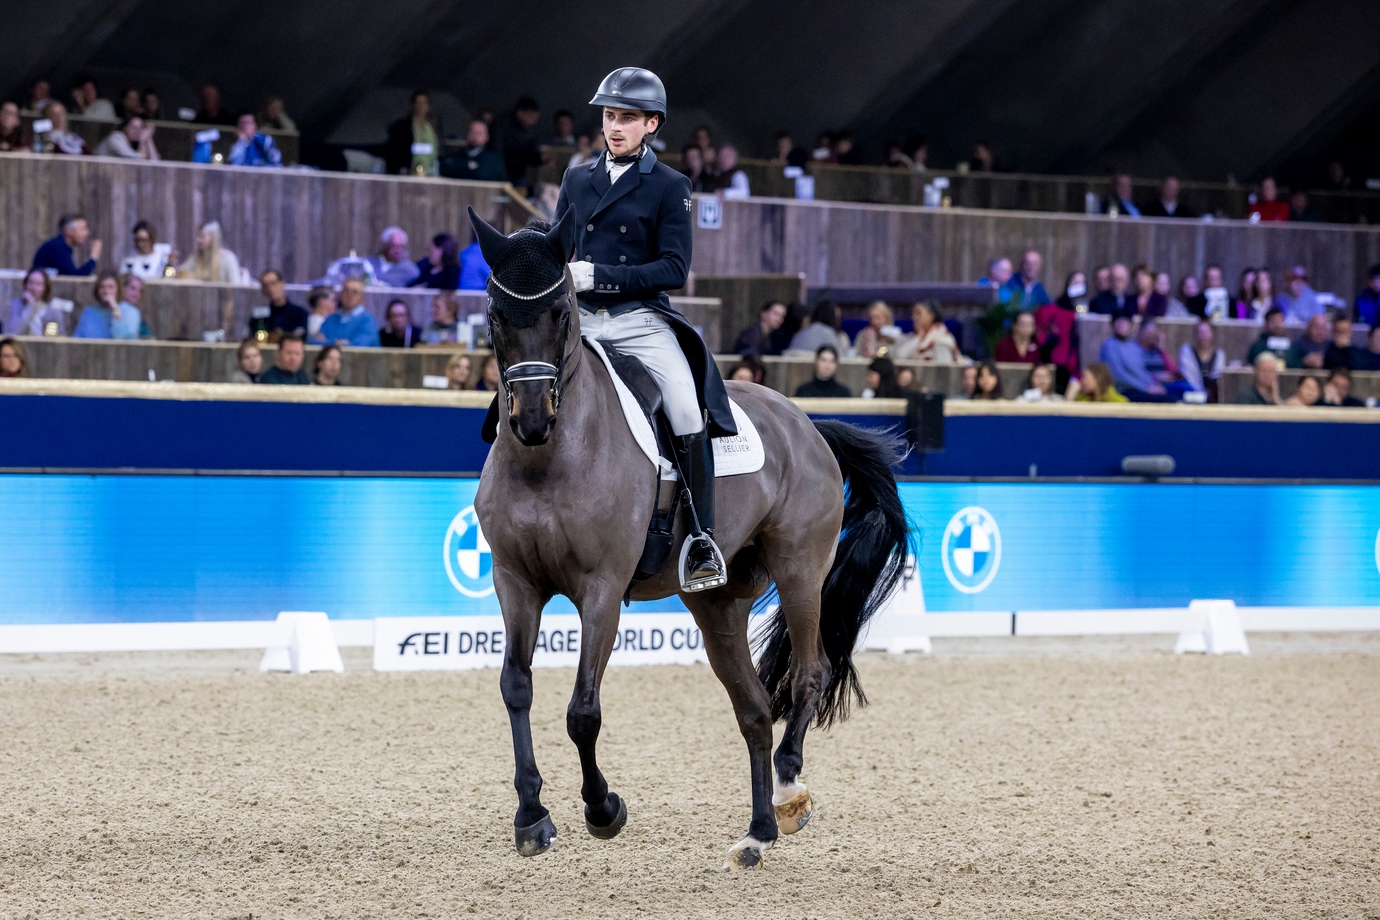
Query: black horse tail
[{"x": 873, "y": 545}]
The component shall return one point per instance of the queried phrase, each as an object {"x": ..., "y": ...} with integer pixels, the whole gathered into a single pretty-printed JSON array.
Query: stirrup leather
[{"x": 717, "y": 579}]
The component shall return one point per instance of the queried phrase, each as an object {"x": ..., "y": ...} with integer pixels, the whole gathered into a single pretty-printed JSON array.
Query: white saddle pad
[{"x": 733, "y": 456}]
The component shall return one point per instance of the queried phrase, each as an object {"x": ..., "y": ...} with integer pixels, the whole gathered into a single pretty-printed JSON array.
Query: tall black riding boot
[{"x": 701, "y": 564}]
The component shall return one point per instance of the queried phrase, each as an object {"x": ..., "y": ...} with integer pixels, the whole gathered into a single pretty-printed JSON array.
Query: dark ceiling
[{"x": 1202, "y": 88}]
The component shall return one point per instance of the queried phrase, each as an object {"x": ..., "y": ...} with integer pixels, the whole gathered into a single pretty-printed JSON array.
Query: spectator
[
  {"x": 211, "y": 112},
  {"x": 253, "y": 147},
  {"x": 732, "y": 181},
  {"x": 287, "y": 365},
  {"x": 351, "y": 323},
  {"x": 12, "y": 134},
  {"x": 823, "y": 151},
  {"x": 1337, "y": 391},
  {"x": 1039, "y": 385},
  {"x": 1019, "y": 345},
  {"x": 1164, "y": 290},
  {"x": 692, "y": 165},
  {"x": 489, "y": 376},
  {"x": 987, "y": 382},
  {"x": 1056, "y": 328},
  {"x": 797, "y": 316},
  {"x": 1308, "y": 393},
  {"x": 1201, "y": 362},
  {"x": 562, "y": 129},
  {"x": 742, "y": 372},
  {"x": 880, "y": 331},
  {"x": 1116, "y": 300},
  {"x": 441, "y": 268},
  {"x": 1245, "y": 293},
  {"x": 412, "y": 147},
  {"x": 823, "y": 385},
  {"x": 1126, "y": 359},
  {"x": 1337, "y": 180},
  {"x": 326, "y": 368},
  {"x": 275, "y": 116},
  {"x": 983, "y": 160},
  {"x": 521, "y": 146},
  {"x": 584, "y": 152},
  {"x": 1264, "y": 388},
  {"x": 1149, "y": 302},
  {"x": 40, "y": 96},
  {"x": 56, "y": 255},
  {"x": 1299, "y": 209},
  {"x": 211, "y": 261},
  {"x": 931, "y": 341},
  {"x": 1191, "y": 300},
  {"x": 444, "y": 325},
  {"x": 13, "y": 360},
  {"x": 133, "y": 289},
  {"x": 150, "y": 257},
  {"x": 709, "y": 170},
  {"x": 1372, "y": 352},
  {"x": 1119, "y": 201},
  {"x": 881, "y": 381},
  {"x": 1267, "y": 206},
  {"x": 32, "y": 312},
  {"x": 844, "y": 152},
  {"x": 59, "y": 139},
  {"x": 787, "y": 153},
  {"x": 1027, "y": 291},
  {"x": 1096, "y": 385},
  {"x": 897, "y": 157},
  {"x": 1167, "y": 204},
  {"x": 1368, "y": 301},
  {"x": 757, "y": 338},
  {"x": 133, "y": 140},
  {"x": 819, "y": 329},
  {"x": 89, "y": 101},
  {"x": 474, "y": 271},
  {"x": 758, "y": 369},
  {"x": 476, "y": 160},
  {"x": 1217, "y": 301},
  {"x": 1262, "y": 294},
  {"x": 320, "y": 304},
  {"x": 905, "y": 378},
  {"x": 108, "y": 317},
  {"x": 249, "y": 363},
  {"x": 153, "y": 105},
  {"x": 1272, "y": 339},
  {"x": 967, "y": 384},
  {"x": 281, "y": 316},
  {"x": 1340, "y": 352},
  {"x": 458, "y": 372},
  {"x": 1163, "y": 369},
  {"x": 1102, "y": 277},
  {"x": 1299, "y": 302},
  {"x": 399, "y": 331},
  {"x": 393, "y": 265}
]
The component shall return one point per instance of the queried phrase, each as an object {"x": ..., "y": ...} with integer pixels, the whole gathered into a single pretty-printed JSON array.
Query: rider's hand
[{"x": 583, "y": 274}]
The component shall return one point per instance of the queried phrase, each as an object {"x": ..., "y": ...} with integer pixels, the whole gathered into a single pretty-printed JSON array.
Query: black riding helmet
[{"x": 633, "y": 88}]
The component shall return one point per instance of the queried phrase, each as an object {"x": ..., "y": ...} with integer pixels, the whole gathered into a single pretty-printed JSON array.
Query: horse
[{"x": 564, "y": 501}]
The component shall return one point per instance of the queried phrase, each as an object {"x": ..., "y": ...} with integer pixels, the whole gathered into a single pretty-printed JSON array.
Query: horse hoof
[
  {"x": 535, "y": 839},
  {"x": 746, "y": 854},
  {"x": 610, "y": 830},
  {"x": 793, "y": 814}
]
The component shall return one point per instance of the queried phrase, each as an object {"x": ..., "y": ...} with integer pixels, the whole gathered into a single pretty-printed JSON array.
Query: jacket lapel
[
  {"x": 631, "y": 179},
  {"x": 599, "y": 177}
]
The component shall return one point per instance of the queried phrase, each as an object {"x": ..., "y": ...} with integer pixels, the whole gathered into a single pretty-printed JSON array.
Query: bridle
[{"x": 534, "y": 370}]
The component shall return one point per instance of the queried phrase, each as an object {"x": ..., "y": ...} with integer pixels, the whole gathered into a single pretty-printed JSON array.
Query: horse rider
[{"x": 632, "y": 245}]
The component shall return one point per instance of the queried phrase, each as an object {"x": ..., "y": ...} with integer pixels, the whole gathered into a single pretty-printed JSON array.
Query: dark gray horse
[{"x": 565, "y": 499}]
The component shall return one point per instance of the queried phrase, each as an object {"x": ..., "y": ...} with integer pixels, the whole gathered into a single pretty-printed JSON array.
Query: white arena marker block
[
  {"x": 1214, "y": 627},
  {"x": 901, "y": 625},
  {"x": 310, "y": 645}
]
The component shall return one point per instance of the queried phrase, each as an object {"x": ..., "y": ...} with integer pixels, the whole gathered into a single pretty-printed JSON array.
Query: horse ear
[
  {"x": 561, "y": 238},
  {"x": 492, "y": 244}
]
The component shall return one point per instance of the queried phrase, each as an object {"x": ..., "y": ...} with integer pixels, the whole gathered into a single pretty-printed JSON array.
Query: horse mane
[{"x": 527, "y": 267}]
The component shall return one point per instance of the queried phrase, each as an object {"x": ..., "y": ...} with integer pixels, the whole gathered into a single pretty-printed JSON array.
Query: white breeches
[{"x": 645, "y": 335}]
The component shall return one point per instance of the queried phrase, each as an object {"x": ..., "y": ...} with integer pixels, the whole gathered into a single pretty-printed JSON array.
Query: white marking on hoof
[
  {"x": 746, "y": 854},
  {"x": 794, "y": 807}
]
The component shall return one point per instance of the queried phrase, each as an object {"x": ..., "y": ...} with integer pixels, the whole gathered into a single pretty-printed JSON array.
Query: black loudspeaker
[{"x": 925, "y": 422}]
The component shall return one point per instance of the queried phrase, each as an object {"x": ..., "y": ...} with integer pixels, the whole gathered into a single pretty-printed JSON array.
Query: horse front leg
[
  {"x": 533, "y": 830},
  {"x": 605, "y": 812}
]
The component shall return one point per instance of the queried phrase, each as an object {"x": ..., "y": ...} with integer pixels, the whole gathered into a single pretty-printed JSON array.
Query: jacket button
[
  {"x": 587, "y": 259},
  {"x": 622, "y": 258},
  {"x": 590, "y": 228},
  {"x": 622, "y": 229}
]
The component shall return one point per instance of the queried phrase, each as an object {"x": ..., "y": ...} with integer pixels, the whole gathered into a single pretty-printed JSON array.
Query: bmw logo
[
  {"x": 469, "y": 564},
  {"x": 971, "y": 550}
]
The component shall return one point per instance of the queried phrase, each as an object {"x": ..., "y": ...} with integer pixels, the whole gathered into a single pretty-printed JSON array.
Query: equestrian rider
[{"x": 632, "y": 245}]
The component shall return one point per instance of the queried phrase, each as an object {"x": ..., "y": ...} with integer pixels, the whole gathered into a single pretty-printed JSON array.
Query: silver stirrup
[{"x": 702, "y": 584}]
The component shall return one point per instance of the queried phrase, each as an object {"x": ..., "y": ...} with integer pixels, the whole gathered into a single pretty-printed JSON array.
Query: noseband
[{"x": 533, "y": 370}]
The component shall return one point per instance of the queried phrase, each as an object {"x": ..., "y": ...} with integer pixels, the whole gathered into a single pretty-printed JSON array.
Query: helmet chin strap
[{"x": 632, "y": 157}]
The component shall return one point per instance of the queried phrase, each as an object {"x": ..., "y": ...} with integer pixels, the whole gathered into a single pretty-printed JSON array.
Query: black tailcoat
[{"x": 637, "y": 233}]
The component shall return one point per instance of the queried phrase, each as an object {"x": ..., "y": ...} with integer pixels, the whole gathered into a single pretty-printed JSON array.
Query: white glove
[{"x": 583, "y": 273}]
